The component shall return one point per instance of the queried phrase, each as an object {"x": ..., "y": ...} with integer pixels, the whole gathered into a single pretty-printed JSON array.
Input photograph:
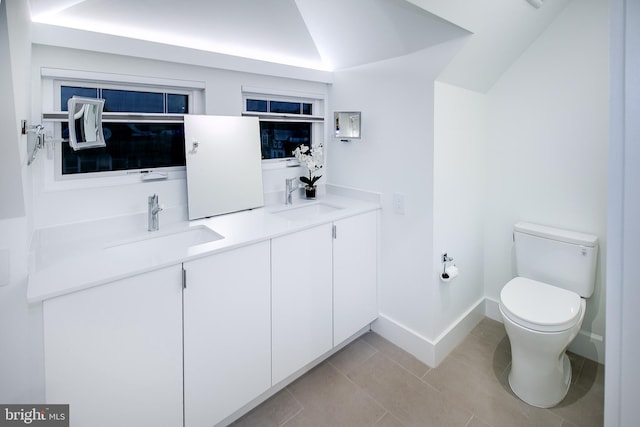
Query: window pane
[
  {"x": 257, "y": 105},
  {"x": 279, "y": 139},
  {"x": 67, "y": 92},
  {"x": 177, "y": 104},
  {"x": 306, "y": 109},
  {"x": 129, "y": 146},
  {"x": 284, "y": 107},
  {"x": 118, "y": 101}
]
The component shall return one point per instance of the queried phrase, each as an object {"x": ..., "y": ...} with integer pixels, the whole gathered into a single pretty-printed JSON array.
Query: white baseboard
[
  {"x": 409, "y": 340},
  {"x": 458, "y": 331},
  {"x": 492, "y": 309},
  {"x": 431, "y": 352},
  {"x": 589, "y": 345},
  {"x": 586, "y": 344}
]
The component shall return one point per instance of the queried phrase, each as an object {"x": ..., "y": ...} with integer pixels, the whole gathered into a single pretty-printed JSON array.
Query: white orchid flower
[{"x": 311, "y": 157}]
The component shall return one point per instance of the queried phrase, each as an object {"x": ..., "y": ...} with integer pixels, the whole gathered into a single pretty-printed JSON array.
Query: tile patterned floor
[{"x": 372, "y": 382}]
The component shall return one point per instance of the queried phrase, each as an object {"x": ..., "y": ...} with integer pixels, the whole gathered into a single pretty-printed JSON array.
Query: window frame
[
  {"x": 316, "y": 119},
  {"x": 58, "y": 84},
  {"x": 52, "y": 81}
]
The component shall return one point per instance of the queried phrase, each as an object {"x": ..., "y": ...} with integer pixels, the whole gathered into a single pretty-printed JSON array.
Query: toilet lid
[{"x": 539, "y": 306}]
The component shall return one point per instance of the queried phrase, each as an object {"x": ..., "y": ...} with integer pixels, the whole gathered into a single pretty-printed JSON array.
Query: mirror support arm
[{"x": 36, "y": 140}]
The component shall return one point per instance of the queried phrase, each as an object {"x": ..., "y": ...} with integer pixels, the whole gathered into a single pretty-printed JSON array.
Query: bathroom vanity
[{"x": 196, "y": 323}]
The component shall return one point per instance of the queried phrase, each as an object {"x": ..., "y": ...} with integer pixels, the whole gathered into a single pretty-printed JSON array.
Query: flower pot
[{"x": 310, "y": 191}]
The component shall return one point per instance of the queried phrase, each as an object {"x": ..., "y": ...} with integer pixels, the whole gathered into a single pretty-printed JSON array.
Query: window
[
  {"x": 142, "y": 123},
  {"x": 279, "y": 139},
  {"x": 286, "y": 122},
  {"x": 285, "y": 107},
  {"x": 130, "y": 145}
]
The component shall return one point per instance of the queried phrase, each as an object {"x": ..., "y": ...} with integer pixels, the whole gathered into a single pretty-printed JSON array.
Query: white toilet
[{"x": 543, "y": 308}]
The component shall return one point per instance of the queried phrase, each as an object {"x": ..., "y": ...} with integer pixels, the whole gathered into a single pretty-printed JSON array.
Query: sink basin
[
  {"x": 164, "y": 245},
  {"x": 307, "y": 211}
]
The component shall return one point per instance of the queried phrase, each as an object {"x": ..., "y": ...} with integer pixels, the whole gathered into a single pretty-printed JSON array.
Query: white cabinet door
[
  {"x": 227, "y": 333},
  {"x": 301, "y": 299},
  {"x": 355, "y": 302},
  {"x": 114, "y": 352}
]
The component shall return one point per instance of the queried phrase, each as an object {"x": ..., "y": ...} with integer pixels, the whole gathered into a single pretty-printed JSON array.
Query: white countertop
[{"x": 72, "y": 257}]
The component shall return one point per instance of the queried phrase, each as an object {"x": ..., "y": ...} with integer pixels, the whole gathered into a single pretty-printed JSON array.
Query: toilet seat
[{"x": 540, "y": 306}]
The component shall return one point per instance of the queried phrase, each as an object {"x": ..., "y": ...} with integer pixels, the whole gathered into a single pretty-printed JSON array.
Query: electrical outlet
[{"x": 398, "y": 203}]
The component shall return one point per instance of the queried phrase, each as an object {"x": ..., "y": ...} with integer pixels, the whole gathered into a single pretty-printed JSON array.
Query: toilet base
[
  {"x": 540, "y": 368},
  {"x": 547, "y": 390}
]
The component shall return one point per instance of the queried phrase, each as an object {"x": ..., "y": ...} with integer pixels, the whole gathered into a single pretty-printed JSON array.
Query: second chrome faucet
[{"x": 290, "y": 187}]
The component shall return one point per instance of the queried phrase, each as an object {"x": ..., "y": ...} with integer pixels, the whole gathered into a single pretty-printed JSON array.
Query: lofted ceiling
[
  {"x": 502, "y": 31},
  {"x": 324, "y": 35}
]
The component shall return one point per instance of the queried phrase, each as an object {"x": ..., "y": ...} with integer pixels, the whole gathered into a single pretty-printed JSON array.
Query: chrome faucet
[
  {"x": 290, "y": 187},
  {"x": 153, "y": 211}
]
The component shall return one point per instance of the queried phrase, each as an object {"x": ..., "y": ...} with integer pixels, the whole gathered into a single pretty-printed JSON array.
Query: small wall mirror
[
  {"x": 347, "y": 124},
  {"x": 85, "y": 123}
]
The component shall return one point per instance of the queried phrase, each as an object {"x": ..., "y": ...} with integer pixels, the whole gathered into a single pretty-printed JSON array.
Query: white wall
[
  {"x": 622, "y": 380},
  {"x": 458, "y": 205},
  {"x": 21, "y": 363},
  {"x": 547, "y": 148},
  {"x": 396, "y": 155},
  {"x": 223, "y": 96},
  {"x": 13, "y": 59}
]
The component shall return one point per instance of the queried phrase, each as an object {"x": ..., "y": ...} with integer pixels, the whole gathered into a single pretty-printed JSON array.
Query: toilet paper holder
[{"x": 448, "y": 271}]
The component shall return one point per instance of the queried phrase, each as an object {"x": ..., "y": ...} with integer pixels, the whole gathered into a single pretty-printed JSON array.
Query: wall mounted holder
[
  {"x": 449, "y": 270},
  {"x": 347, "y": 125},
  {"x": 36, "y": 139}
]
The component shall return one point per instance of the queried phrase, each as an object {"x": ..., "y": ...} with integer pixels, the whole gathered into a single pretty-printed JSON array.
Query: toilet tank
[{"x": 562, "y": 258}]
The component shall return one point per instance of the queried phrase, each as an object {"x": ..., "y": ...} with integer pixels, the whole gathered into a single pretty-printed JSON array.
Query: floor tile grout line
[
  {"x": 468, "y": 365},
  {"x": 406, "y": 370},
  {"x": 284, "y": 423},
  {"x": 363, "y": 361},
  {"x": 392, "y": 359},
  {"x": 402, "y": 366},
  {"x": 381, "y": 417},
  {"x": 397, "y": 362},
  {"x": 359, "y": 387},
  {"x": 422, "y": 379},
  {"x": 483, "y": 421},
  {"x": 297, "y": 412},
  {"x": 392, "y": 416},
  {"x": 363, "y": 390},
  {"x": 426, "y": 373},
  {"x": 470, "y": 419}
]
